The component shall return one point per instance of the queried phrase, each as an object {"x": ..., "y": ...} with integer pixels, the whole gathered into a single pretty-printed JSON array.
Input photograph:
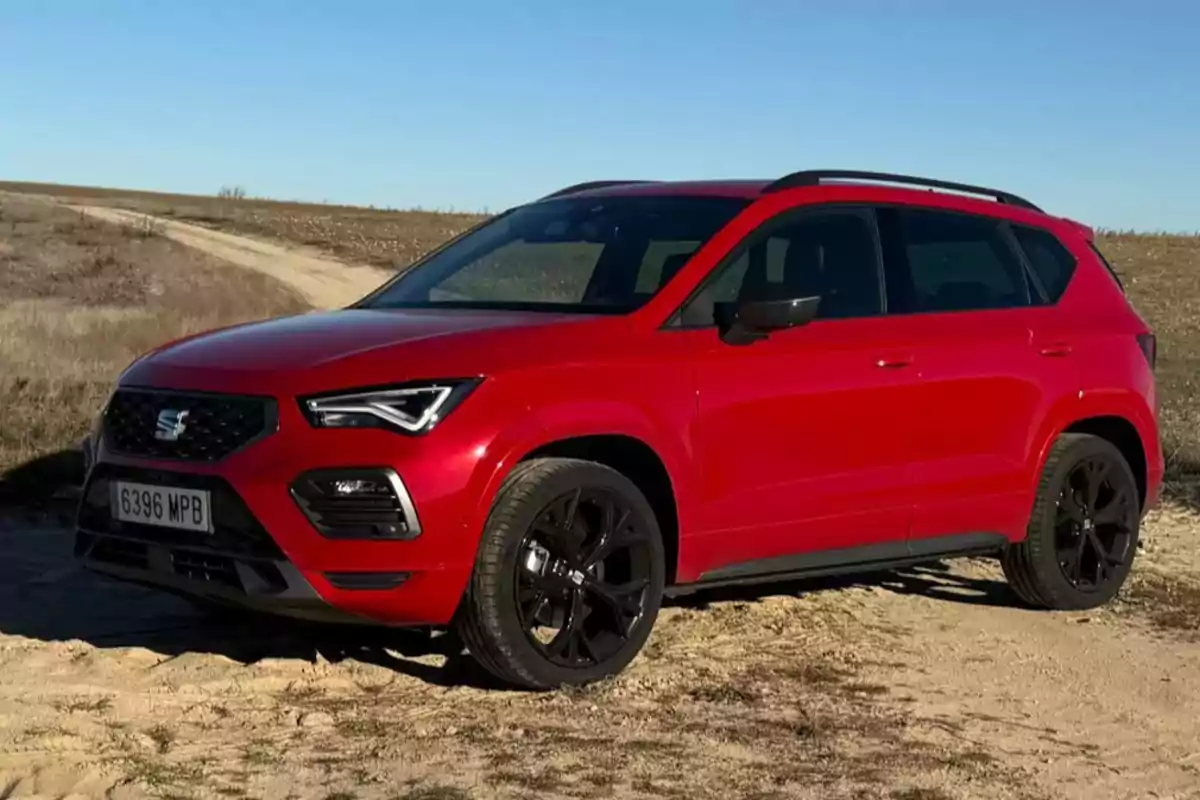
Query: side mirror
[{"x": 748, "y": 321}]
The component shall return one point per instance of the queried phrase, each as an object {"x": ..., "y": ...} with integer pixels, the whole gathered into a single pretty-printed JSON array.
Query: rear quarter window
[
  {"x": 1050, "y": 261},
  {"x": 1107, "y": 265}
]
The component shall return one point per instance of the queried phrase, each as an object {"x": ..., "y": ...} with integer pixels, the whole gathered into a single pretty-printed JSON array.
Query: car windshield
[{"x": 587, "y": 255}]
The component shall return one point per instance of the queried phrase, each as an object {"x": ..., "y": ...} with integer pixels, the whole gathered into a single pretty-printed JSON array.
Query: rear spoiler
[{"x": 1086, "y": 231}]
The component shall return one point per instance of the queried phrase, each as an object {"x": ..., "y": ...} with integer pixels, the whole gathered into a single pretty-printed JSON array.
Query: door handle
[
  {"x": 893, "y": 362},
  {"x": 1058, "y": 349}
]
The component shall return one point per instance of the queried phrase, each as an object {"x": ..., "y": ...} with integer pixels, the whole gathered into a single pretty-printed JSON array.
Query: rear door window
[{"x": 944, "y": 261}]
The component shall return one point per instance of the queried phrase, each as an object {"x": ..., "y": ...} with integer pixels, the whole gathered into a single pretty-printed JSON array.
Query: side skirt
[{"x": 849, "y": 560}]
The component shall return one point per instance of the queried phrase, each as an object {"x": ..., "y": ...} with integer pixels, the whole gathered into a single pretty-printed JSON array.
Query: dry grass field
[
  {"x": 1162, "y": 275},
  {"x": 379, "y": 237},
  {"x": 924, "y": 684},
  {"x": 80, "y": 299}
]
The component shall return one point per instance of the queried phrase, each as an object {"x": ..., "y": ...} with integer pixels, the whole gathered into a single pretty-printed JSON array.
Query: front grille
[
  {"x": 256, "y": 577},
  {"x": 205, "y": 567},
  {"x": 235, "y": 531},
  {"x": 213, "y": 426}
]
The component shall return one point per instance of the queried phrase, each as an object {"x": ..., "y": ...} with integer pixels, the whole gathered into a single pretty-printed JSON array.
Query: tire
[
  {"x": 533, "y": 565},
  {"x": 1081, "y": 542}
]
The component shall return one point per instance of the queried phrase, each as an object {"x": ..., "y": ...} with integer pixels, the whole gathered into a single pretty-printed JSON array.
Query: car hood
[{"x": 311, "y": 344}]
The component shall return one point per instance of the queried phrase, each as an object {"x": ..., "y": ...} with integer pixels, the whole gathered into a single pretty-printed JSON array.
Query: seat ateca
[{"x": 633, "y": 389}]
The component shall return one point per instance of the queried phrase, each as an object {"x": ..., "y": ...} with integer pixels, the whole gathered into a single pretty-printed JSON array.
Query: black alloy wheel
[
  {"x": 1095, "y": 525},
  {"x": 568, "y": 577},
  {"x": 1083, "y": 532},
  {"x": 582, "y": 582}
]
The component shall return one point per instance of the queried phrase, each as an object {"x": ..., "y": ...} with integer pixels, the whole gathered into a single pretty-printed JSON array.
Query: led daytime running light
[{"x": 383, "y": 405}]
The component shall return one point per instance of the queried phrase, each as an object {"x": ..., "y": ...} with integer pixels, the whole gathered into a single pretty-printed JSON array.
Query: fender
[
  {"x": 1128, "y": 405},
  {"x": 545, "y": 426}
]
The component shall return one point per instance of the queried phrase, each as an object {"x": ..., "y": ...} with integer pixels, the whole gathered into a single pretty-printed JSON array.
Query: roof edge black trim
[
  {"x": 814, "y": 177},
  {"x": 585, "y": 186}
]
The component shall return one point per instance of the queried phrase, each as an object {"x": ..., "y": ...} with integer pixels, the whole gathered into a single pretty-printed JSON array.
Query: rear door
[
  {"x": 800, "y": 436},
  {"x": 960, "y": 298}
]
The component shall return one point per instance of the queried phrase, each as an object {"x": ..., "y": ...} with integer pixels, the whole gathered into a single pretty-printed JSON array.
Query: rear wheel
[
  {"x": 1083, "y": 531},
  {"x": 568, "y": 579}
]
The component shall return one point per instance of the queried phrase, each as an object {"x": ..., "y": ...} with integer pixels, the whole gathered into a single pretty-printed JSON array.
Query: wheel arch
[
  {"x": 1125, "y": 418},
  {"x": 1122, "y": 434},
  {"x": 625, "y": 437},
  {"x": 638, "y": 462}
]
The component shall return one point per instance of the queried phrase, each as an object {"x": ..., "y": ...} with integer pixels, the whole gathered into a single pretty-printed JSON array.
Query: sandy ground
[
  {"x": 322, "y": 281},
  {"x": 928, "y": 683},
  {"x": 925, "y": 684}
]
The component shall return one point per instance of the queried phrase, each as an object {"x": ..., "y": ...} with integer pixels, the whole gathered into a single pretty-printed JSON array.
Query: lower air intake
[{"x": 364, "y": 503}]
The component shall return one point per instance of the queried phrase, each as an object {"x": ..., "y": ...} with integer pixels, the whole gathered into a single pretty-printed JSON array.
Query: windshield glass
[{"x": 589, "y": 255}]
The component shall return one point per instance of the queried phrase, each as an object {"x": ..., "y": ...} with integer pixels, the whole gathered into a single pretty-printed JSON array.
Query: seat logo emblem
[{"x": 171, "y": 425}]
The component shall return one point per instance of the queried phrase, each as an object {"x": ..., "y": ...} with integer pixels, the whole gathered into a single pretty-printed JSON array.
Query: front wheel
[
  {"x": 568, "y": 579},
  {"x": 1083, "y": 532}
]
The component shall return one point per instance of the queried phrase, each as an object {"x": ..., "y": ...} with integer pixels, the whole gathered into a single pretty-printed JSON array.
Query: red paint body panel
[
  {"x": 837, "y": 434},
  {"x": 832, "y": 472}
]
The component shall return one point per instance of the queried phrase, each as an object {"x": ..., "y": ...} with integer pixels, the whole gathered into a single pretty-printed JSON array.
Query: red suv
[{"x": 628, "y": 390}]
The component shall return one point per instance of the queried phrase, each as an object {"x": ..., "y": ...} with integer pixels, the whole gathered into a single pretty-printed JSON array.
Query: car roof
[
  {"x": 710, "y": 188},
  {"x": 837, "y": 185}
]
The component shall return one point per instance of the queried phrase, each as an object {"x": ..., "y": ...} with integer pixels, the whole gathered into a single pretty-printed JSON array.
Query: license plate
[{"x": 166, "y": 506}]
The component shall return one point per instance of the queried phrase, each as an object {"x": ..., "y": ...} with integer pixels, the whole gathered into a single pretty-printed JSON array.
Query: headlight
[{"x": 411, "y": 408}]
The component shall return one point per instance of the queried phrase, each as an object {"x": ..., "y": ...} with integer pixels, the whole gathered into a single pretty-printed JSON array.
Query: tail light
[{"x": 1149, "y": 345}]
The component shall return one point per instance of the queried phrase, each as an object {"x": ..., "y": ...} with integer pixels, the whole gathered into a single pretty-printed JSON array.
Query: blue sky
[{"x": 1091, "y": 109}]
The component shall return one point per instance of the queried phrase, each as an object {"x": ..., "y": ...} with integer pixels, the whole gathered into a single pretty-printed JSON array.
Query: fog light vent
[{"x": 367, "y": 503}]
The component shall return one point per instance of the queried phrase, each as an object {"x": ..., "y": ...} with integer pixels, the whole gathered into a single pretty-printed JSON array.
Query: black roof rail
[
  {"x": 814, "y": 177},
  {"x": 583, "y": 187}
]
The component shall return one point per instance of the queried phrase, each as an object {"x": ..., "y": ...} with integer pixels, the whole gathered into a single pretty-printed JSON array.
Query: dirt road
[
  {"x": 320, "y": 280},
  {"x": 928, "y": 683}
]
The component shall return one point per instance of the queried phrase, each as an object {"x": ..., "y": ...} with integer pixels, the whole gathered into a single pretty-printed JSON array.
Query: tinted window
[
  {"x": 1051, "y": 262},
  {"x": 1107, "y": 265},
  {"x": 660, "y": 263},
  {"x": 951, "y": 262},
  {"x": 598, "y": 254},
  {"x": 826, "y": 254}
]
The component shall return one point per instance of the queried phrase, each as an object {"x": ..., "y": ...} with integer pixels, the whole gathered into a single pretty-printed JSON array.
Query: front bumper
[
  {"x": 266, "y": 554},
  {"x": 238, "y": 563},
  {"x": 214, "y": 577}
]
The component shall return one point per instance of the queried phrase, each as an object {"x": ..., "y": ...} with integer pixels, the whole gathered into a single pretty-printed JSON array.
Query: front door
[{"x": 800, "y": 436}]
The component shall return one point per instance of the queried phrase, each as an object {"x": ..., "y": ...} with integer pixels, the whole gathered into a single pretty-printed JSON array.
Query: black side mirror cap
[{"x": 750, "y": 320}]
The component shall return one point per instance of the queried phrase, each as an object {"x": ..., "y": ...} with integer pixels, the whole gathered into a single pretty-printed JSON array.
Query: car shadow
[
  {"x": 46, "y": 595},
  {"x": 937, "y": 580},
  {"x": 40, "y": 481}
]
